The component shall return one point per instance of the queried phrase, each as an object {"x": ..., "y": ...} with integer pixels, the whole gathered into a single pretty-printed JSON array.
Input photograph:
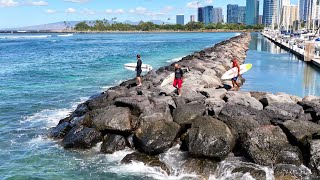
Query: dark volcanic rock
[
  {"x": 156, "y": 136},
  {"x": 289, "y": 171},
  {"x": 290, "y": 110},
  {"x": 152, "y": 161},
  {"x": 276, "y": 98},
  {"x": 312, "y": 107},
  {"x": 268, "y": 145},
  {"x": 112, "y": 118},
  {"x": 242, "y": 119},
  {"x": 184, "y": 114},
  {"x": 135, "y": 103},
  {"x": 81, "y": 110},
  {"x": 214, "y": 106},
  {"x": 81, "y": 137},
  {"x": 300, "y": 131},
  {"x": 97, "y": 102},
  {"x": 200, "y": 166},
  {"x": 112, "y": 143},
  {"x": 60, "y": 130},
  {"x": 84, "y": 120},
  {"x": 242, "y": 98},
  {"x": 156, "y": 112},
  {"x": 315, "y": 156},
  {"x": 209, "y": 137}
]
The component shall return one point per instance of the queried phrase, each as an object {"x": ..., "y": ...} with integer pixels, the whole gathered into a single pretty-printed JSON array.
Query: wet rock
[
  {"x": 315, "y": 156},
  {"x": 254, "y": 172},
  {"x": 60, "y": 130},
  {"x": 84, "y": 120},
  {"x": 81, "y": 110},
  {"x": 184, "y": 114},
  {"x": 245, "y": 99},
  {"x": 81, "y": 137},
  {"x": 209, "y": 137},
  {"x": 300, "y": 131},
  {"x": 112, "y": 143},
  {"x": 202, "y": 167},
  {"x": 152, "y": 161},
  {"x": 276, "y": 98},
  {"x": 291, "y": 172},
  {"x": 112, "y": 118},
  {"x": 135, "y": 103},
  {"x": 268, "y": 145},
  {"x": 97, "y": 102},
  {"x": 154, "y": 137},
  {"x": 214, "y": 106}
]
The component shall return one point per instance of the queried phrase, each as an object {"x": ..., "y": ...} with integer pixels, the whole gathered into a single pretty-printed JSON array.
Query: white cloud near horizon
[
  {"x": 139, "y": 10},
  {"x": 38, "y": 3},
  {"x": 71, "y": 10},
  {"x": 50, "y": 11},
  {"x": 119, "y": 11},
  {"x": 77, "y": 1},
  {"x": 8, "y": 3},
  {"x": 193, "y": 4}
]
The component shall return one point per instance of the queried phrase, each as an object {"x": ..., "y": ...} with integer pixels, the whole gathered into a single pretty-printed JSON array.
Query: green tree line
[{"x": 104, "y": 25}]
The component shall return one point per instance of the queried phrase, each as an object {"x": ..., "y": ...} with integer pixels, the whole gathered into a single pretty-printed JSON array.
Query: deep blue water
[
  {"x": 43, "y": 78},
  {"x": 275, "y": 70}
]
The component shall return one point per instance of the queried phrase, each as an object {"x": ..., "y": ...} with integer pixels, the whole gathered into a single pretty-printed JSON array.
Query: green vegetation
[{"x": 104, "y": 25}]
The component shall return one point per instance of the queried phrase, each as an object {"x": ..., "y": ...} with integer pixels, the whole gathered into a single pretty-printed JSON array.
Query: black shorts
[
  {"x": 139, "y": 73},
  {"x": 235, "y": 78}
]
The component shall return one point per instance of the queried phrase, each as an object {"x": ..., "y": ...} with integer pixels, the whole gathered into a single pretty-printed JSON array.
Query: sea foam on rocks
[{"x": 210, "y": 122}]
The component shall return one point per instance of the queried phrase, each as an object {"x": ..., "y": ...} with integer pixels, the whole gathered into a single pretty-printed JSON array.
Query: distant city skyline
[{"x": 18, "y": 13}]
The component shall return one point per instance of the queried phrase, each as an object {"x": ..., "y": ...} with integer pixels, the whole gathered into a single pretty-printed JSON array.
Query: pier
[{"x": 294, "y": 49}]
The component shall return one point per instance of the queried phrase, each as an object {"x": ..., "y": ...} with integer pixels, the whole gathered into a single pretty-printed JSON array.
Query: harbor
[{"x": 307, "y": 50}]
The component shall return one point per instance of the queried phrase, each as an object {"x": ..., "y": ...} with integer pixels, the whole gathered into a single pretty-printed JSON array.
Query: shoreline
[{"x": 208, "y": 122}]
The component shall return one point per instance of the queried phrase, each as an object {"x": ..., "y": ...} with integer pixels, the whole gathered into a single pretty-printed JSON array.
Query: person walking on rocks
[
  {"x": 234, "y": 80},
  {"x": 178, "y": 78},
  {"x": 139, "y": 70}
]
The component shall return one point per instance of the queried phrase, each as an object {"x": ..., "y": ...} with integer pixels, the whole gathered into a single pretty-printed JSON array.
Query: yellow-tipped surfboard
[{"x": 234, "y": 71}]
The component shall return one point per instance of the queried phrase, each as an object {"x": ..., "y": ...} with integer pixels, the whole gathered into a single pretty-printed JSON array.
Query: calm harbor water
[{"x": 275, "y": 70}]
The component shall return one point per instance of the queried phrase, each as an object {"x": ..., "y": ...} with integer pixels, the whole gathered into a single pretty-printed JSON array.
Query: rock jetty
[{"x": 209, "y": 122}]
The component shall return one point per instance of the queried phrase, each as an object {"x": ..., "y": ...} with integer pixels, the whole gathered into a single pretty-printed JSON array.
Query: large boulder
[
  {"x": 276, "y": 98},
  {"x": 154, "y": 137},
  {"x": 209, "y": 137},
  {"x": 120, "y": 91},
  {"x": 81, "y": 137},
  {"x": 268, "y": 145},
  {"x": 213, "y": 92},
  {"x": 60, "y": 130},
  {"x": 156, "y": 112},
  {"x": 184, "y": 114},
  {"x": 312, "y": 107},
  {"x": 163, "y": 100},
  {"x": 289, "y": 171},
  {"x": 242, "y": 119},
  {"x": 152, "y": 161},
  {"x": 200, "y": 166},
  {"x": 98, "y": 101},
  {"x": 136, "y": 103},
  {"x": 315, "y": 156},
  {"x": 300, "y": 131},
  {"x": 289, "y": 110},
  {"x": 112, "y": 143},
  {"x": 242, "y": 98},
  {"x": 112, "y": 118},
  {"x": 214, "y": 106},
  {"x": 210, "y": 81}
]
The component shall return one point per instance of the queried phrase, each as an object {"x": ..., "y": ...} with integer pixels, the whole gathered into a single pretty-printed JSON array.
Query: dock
[{"x": 294, "y": 49}]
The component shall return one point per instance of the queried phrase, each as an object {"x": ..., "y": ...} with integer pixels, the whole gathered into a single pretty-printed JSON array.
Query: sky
[{"x": 20, "y": 13}]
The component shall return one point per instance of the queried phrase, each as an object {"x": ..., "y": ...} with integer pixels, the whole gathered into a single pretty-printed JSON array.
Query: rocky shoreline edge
[{"x": 209, "y": 123}]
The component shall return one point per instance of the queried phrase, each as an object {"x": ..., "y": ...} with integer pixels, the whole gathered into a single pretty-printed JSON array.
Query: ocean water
[
  {"x": 275, "y": 70},
  {"x": 44, "y": 77}
]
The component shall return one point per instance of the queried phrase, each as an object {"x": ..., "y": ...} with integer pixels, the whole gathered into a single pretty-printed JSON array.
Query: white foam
[
  {"x": 25, "y": 37},
  {"x": 65, "y": 35},
  {"x": 174, "y": 60}
]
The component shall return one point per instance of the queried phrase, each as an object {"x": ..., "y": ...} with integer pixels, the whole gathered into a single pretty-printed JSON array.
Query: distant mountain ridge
[{"x": 63, "y": 25}]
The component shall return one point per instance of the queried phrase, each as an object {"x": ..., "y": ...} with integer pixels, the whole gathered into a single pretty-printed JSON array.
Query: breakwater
[{"x": 210, "y": 124}]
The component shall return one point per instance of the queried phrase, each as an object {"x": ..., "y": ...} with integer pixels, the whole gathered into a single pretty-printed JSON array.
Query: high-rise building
[
  {"x": 207, "y": 15},
  {"x": 180, "y": 19},
  {"x": 232, "y": 13},
  {"x": 242, "y": 14},
  {"x": 217, "y": 15},
  {"x": 270, "y": 12},
  {"x": 294, "y": 13},
  {"x": 252, "y": 12},
  {"x": 281, "y": 3},
  {"x": 200, "y": 14},
  {"x": 192, "y": 18},
  {"x": 260, "y": 19},
  {"x": 285, "y": 19},
  {"x": 307, "y": 10}
]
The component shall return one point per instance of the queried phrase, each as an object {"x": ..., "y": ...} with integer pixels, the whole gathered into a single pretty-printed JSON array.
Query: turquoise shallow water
[
  {"x": 44, "y": 77},
  {"x": 275, "y": 70}
]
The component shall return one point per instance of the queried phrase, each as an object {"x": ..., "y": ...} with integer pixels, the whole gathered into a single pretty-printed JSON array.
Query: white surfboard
[
  {"x": 169, "y": 79},
  {"x": 234, "y": 71},
  {"x": 132, "y": 67}
]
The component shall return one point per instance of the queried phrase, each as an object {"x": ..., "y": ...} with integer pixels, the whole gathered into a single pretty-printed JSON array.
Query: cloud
[
  {"x": 139, "y": 10},
  {"x": 109, "y": 11},
  {"x": 87, "y": 11},
  {"x": 50, "y": 11},
  {"x": 38, "y": 3},
  {"x": 193, "y": 5},
  {"x": 119, "y": 11},
  {"x": 71, "y": 10},
  {"x": 209, "y": 1},
  {"x": 8, "y": 3},
  {"x": 77, "y": 1}
]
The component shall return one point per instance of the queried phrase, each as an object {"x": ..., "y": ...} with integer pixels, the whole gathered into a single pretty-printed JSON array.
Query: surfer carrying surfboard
[
  {"x": 139, "y": 69},
  {"x": 234, "y": 80},
  {"x": 178, "y": 78}
]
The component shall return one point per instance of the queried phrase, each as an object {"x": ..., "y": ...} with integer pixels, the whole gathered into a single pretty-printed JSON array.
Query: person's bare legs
[
  {"x": 179, "y": 91},
  {"x": 139, "y": 81}
]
